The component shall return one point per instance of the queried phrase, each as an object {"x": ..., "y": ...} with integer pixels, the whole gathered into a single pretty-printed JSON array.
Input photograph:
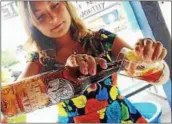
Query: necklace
[{"x": 77, "y": 48}]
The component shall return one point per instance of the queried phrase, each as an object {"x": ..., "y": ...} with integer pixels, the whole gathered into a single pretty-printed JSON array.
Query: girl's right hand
[{"x": 87, "y": 64}]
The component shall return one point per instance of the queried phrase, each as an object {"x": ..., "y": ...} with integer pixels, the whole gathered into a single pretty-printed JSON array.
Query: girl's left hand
[{"x": 150, "y": 51}]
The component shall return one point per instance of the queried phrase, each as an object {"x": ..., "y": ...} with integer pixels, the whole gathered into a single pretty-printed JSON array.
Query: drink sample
[
  {"x": 153, "y": 73},
  {"x": 48, "y": 88}
]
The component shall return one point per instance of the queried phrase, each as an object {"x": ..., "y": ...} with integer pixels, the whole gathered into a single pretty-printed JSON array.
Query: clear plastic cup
[{"x": 132, "y": 66}]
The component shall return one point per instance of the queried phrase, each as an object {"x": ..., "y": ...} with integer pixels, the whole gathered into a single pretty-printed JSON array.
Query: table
[{"x": 129, "y": 86}]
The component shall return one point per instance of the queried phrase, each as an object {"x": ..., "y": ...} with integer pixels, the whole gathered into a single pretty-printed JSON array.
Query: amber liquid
[{"x": 151, "y": 77}]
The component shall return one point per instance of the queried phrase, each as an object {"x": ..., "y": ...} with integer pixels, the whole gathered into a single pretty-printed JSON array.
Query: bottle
[
  {"x": 48, "y": 88},
  {"x": 154, "y": 73}
]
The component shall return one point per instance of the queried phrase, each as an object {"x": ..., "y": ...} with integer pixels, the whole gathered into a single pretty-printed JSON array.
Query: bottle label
[
  {"x": 60, "y": 89},
  {"x": 9, "y": 104},
  {"x": 31, "y": 94}
]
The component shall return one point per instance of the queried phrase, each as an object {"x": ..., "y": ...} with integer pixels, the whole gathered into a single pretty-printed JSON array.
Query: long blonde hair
[{"x": 42, "y": 42}]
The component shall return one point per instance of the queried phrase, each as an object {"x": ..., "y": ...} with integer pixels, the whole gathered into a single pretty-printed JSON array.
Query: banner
[
  {"x": 8, "y": 9},
  {"x": 87, "y": 9}
]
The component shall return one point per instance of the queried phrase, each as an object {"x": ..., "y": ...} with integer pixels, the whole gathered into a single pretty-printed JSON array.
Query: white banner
[
  {"x": 8, "y": 9},
  {"x": 90, "y": 8}
]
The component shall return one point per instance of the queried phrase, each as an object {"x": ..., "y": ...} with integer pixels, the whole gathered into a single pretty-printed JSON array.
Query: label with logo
[{"x": 60, "y": 89}]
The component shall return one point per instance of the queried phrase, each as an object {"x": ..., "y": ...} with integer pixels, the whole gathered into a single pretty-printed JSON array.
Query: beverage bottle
[
  {"x": 154, "y": 73},
  {"x": 48, "y": 88}
]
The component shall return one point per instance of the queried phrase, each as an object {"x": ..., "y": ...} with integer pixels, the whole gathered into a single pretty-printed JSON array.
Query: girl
[{"x": 57, "y": 32}]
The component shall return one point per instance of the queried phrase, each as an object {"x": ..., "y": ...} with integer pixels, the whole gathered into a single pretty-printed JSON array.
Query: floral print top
[{"x": 101, "y": 102}]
